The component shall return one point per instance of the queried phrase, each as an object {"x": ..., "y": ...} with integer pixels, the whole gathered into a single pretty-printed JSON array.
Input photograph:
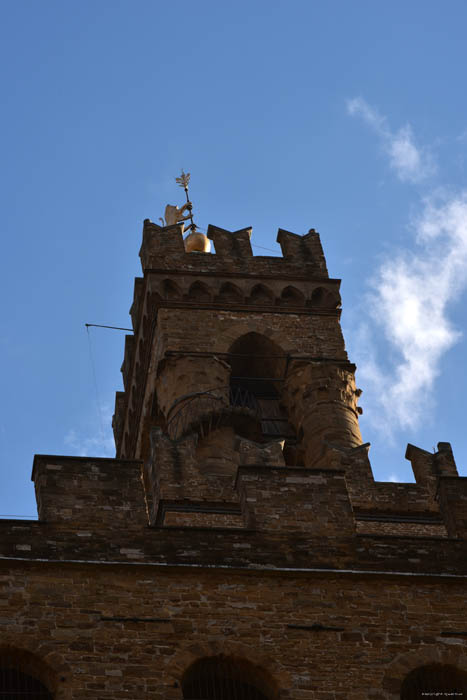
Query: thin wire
[
  {"x": 271, "y": 250},
  {"x": 95, "y": 380},
  {"x": 263, "y": 248}
]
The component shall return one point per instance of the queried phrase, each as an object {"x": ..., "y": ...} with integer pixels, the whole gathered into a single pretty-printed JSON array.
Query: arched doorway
[
  {"x": 24, "y": 675},
  {"x": 16, "y": 685},
  {"x": 227, "y": 678},
  {"x": 432, "y": 680}
]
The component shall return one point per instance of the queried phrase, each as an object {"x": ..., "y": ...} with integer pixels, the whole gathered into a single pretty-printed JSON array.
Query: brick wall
[{"x": 131, "y": 632}]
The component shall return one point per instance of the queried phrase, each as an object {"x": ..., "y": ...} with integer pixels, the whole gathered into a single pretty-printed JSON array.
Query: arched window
[
  {"x": 230, "y": 679},
  {"x": 258, "y": 368},
  {"x": 432, "y": 680}
]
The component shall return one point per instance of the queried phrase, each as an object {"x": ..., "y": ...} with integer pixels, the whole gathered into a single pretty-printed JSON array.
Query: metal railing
[{"x": 209, "y": 405}]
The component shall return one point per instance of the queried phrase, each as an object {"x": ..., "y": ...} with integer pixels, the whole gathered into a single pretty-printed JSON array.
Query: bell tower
[
  {"x": 238, "y": 545},
  {"x": 235, "y": 359}
]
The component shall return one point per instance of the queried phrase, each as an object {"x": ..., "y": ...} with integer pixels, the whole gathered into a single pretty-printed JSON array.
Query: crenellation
[
  {"x": 444, "y": 460},
  {"x": 234, "y": 244},
  {"x": 88, "y": 491},
  {"x": 161, "y": 245},
  {"x": 163, "y": 248},
  {"x": 452, "y": 497},
  {"x": 305, "y": 250}
]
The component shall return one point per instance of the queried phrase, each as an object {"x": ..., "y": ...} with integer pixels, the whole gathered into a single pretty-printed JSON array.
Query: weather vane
[
  {"x": 174, "y": 215},
  {"x": 195, "y": 242},
  {"x": 183, "y": 181}
]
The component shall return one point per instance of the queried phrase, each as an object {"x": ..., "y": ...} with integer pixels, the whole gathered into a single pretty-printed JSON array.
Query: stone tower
[
  {"x": 237, "y": 547},
  {"x": 236, "y": 359}
]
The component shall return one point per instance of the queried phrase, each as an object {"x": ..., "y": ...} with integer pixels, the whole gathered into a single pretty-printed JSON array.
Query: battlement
[
  {"x": 88, "y": 491},
  {"x": 163, "y": 248},
  {"x": 235, "y": 502}
]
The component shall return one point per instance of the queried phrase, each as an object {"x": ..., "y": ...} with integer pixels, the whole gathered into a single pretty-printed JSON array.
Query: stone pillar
[{"x": 321, "y": 399}]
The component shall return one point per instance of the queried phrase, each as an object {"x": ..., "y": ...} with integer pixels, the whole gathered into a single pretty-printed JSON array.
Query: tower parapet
[
  {"x": 285, "y": 297},
  {"x": 163, "y": 248}
]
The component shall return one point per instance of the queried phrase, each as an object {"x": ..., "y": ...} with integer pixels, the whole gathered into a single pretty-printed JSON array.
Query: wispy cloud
[
  {"x": 408, "y": 302},
  {"x": 95, "y": 443},
  {"x": 411, "y": 163},
  {"x": 394, "y": 478}
]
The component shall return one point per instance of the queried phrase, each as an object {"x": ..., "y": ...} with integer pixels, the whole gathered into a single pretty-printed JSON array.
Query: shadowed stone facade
[{"x": 238, "y": 546}]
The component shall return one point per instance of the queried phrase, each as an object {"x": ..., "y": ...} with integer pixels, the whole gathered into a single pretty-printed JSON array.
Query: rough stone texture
[
  {"x": 212, "y": 535},
  {"x": 131, "y": 632}
]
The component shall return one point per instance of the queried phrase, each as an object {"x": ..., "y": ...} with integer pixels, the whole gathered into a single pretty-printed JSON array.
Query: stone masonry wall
[
  {"x": 259, "y": 513},
  {"x": 103, "y": 633}
]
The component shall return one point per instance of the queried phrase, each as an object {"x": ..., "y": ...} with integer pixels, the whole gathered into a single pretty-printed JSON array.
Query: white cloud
[
  {"x": 408, "y": 302},
  {"x": 360, "y": 107},
  {"x": 394, "y": 478},
  {"x": 410, "y": 162},
  {"x": 99, "y": 443}
]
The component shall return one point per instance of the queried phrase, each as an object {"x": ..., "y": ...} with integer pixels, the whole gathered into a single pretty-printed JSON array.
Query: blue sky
[{"x": 350, "y": 118}]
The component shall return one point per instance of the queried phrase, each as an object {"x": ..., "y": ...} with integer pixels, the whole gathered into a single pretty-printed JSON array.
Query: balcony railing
[{"x": 209, "y": 406}]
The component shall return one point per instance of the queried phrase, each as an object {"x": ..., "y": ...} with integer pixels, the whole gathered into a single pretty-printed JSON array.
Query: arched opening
[
  {"x": 261, "y": 295},
  {"x": 258, "y": 370},
  {"x": 323, "y": 298},
  {"x": 15, "y": 685},
  {"x": 230, "y": 679},
  {"x": 22, "y": 675},
  {"x": 230, "y": 293},
  {"x": 199, "y": 292},
  {"x": 432, "y": 680},
  {"x": 291, "y": 296},
  {"x": 170, "y": 290}
]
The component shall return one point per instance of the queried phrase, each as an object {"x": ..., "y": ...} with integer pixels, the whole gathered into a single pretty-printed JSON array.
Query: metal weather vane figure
[
  {"x": 183, "y": 181},
  {"x": 174, "y": 215}
]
